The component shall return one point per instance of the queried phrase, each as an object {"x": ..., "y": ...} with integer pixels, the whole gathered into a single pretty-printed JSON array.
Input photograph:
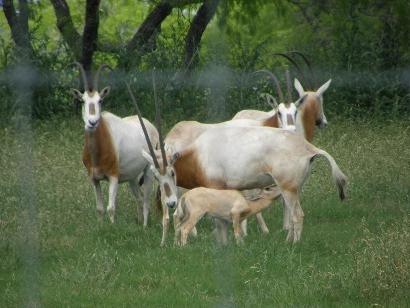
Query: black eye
[{"x": 172, "y": 173}]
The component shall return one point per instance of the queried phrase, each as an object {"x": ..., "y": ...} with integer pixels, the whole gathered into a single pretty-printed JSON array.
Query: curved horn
[
  {"x": 275, "y": 81},
  {"x": 83, "y": 75},
  {"x": 291, "y": 60},
  {"x": 97, "y": 75},
  {"x": 288, "y": 86},
  {"x": 270, "y": 100},
  {"x": 158, "y": 120},
  {"x": 144, "y": 129},
  {"x": 308, "y": 64}
]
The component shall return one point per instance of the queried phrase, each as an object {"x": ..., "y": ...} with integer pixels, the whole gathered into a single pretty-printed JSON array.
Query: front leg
[
  {"x": 98, "y": 198},
  {"x": 165, "y": 223},
  {"x": 112, "y": 196},
  {"x": 261, "y": 223},
  {"x": 147, "y": 188}
]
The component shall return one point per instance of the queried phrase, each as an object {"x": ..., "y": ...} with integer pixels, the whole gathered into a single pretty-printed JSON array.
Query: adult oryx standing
[
  {"x": 112, "y": 148},
  {"x": 242, "y": 158}
]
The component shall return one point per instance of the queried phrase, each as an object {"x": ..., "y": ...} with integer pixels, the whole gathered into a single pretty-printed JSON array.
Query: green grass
[{"x": 353, "y": 253}]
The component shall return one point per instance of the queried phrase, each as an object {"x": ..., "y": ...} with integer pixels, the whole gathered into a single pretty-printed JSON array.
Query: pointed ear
[
  {"x": 301, "y": 100},
  {"x": 104, "y": 92},
  {"x": 299, "y": 88},
  {"x": 147, "y": 157},
  {"x": 323, "y": 88},
  {"x": 77, "y": 94},
  {"x": 174, "y": 157}
]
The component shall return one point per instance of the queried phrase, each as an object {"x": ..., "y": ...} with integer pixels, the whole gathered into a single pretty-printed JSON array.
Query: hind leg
[
  {"x": 286, "y": 216},
  {"x": 296, "y": 215},
  {"x": 134, "y": 188}
]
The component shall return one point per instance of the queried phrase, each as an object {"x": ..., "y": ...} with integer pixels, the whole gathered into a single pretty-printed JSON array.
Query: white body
[
  {"x": 127, "y": 140},
  {"x": 253, "y": 157}
]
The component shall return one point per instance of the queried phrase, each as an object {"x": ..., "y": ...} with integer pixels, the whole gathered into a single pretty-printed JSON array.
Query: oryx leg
[
  {"x": 222, "y": 231},
  {"x": 261, "y": 223},
  {"x": 146, "y": 189},
  {"x": 165, "y": 223},
  {"x": 112, "y": 196},
  {"x": 134, "y": 187},
  {"x": 177, "y": 228},
  {"x": 98, "y": 198},
  {"x": 187, "y": 226},
  {"x": 286, "y": 216},
  {"x": 244, "y": 227},
  {"x": 296, "y": 215}
]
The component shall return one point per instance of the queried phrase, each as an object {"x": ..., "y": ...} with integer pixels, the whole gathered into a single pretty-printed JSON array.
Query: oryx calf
[{"x": 224, "y": 205}]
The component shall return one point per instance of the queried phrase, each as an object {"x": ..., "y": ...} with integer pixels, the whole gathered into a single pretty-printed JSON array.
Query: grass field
[{"x": 355, "y": 253}]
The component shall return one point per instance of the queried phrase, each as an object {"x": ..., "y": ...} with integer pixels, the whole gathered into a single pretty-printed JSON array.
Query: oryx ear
[
  {"x": 299, "y": 87},
  {"x": 77, "y": 94},
  {"x": 104, "y": 92},
  {"x": 147, "y": 157},
  {"x": 301, "y": 100},
  {"x": 323, "y": 88},
  {"x": 174, "y": 157}
]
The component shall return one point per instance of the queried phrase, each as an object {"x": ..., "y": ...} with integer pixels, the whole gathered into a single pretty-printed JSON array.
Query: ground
[{"x": 352, "y": 253}]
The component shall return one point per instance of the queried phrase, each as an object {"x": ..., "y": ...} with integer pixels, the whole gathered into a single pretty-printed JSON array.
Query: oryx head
[
  {"x": 286, "y": 109},
  {"x": 163, "y": 171},
  {"x": 91, "y": 98},
  {"x": 313, "y": 102}
]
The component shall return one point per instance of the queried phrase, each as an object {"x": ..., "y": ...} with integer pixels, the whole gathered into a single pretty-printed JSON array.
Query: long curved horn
[
  {"x": 97, "y": 75},
  {"x": 275, "y": 81},
  {"x": 312, "y": 81},
  {"x": 270, "y": 100},
  {"x": 83, "y": 75},
  {"x": 144, "y": 129},
  {"x": 158, "y": 120},
  {"x": 288, "y": 86},
  {"x": 291, "y": 60}
]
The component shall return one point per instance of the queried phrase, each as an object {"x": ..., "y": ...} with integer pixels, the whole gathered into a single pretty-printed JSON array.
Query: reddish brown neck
[
  {"x": 99, "y": 152},
  {"x": 309, "y": 113}
]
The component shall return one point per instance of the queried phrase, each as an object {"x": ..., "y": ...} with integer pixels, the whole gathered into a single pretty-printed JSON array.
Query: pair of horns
[
  {"x": 158, "y": 121},
  {"x": 277, "y": 85},
  {"x": 94, "y": 85},
  {"x": 290, "y": 56}
]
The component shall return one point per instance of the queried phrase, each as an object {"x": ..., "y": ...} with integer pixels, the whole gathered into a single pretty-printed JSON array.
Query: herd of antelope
[{"x": 229, "y": 170}]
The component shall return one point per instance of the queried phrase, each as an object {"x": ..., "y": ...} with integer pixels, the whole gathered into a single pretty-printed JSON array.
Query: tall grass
[{"x": 353, "y": 253}]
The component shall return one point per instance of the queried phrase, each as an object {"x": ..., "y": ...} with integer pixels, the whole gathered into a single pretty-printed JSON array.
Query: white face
[
  {"x": 91, "y": 110},
  {"x": 167, "y": 185},
  {"x": 167, "y": 181},
  {"x": 91, "y": 106},
  {"x": 287, "y": 115}
]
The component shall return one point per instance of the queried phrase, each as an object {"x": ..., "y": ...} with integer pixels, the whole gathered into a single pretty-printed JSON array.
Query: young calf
[{"x": 224, "y": 205}]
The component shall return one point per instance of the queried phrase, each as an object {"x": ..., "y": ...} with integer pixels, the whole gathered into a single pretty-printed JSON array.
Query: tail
[{"x": 337, "y": 174}]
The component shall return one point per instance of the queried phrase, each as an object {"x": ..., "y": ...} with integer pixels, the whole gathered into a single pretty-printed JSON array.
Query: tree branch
[
  {"x": 148, "y": 27},
  {"x": 66, "y": 26},
  {"x": 196, "y": 30},
  {"x": 18, "y": 25}
]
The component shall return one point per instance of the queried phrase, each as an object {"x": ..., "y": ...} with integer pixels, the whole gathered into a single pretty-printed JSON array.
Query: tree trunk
[
  {"x": 19, "y": 26},
  {"x": 197, "y": 28},
  {"x": 90, "y": 36},
  {"x": 66, "y": 26}
]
